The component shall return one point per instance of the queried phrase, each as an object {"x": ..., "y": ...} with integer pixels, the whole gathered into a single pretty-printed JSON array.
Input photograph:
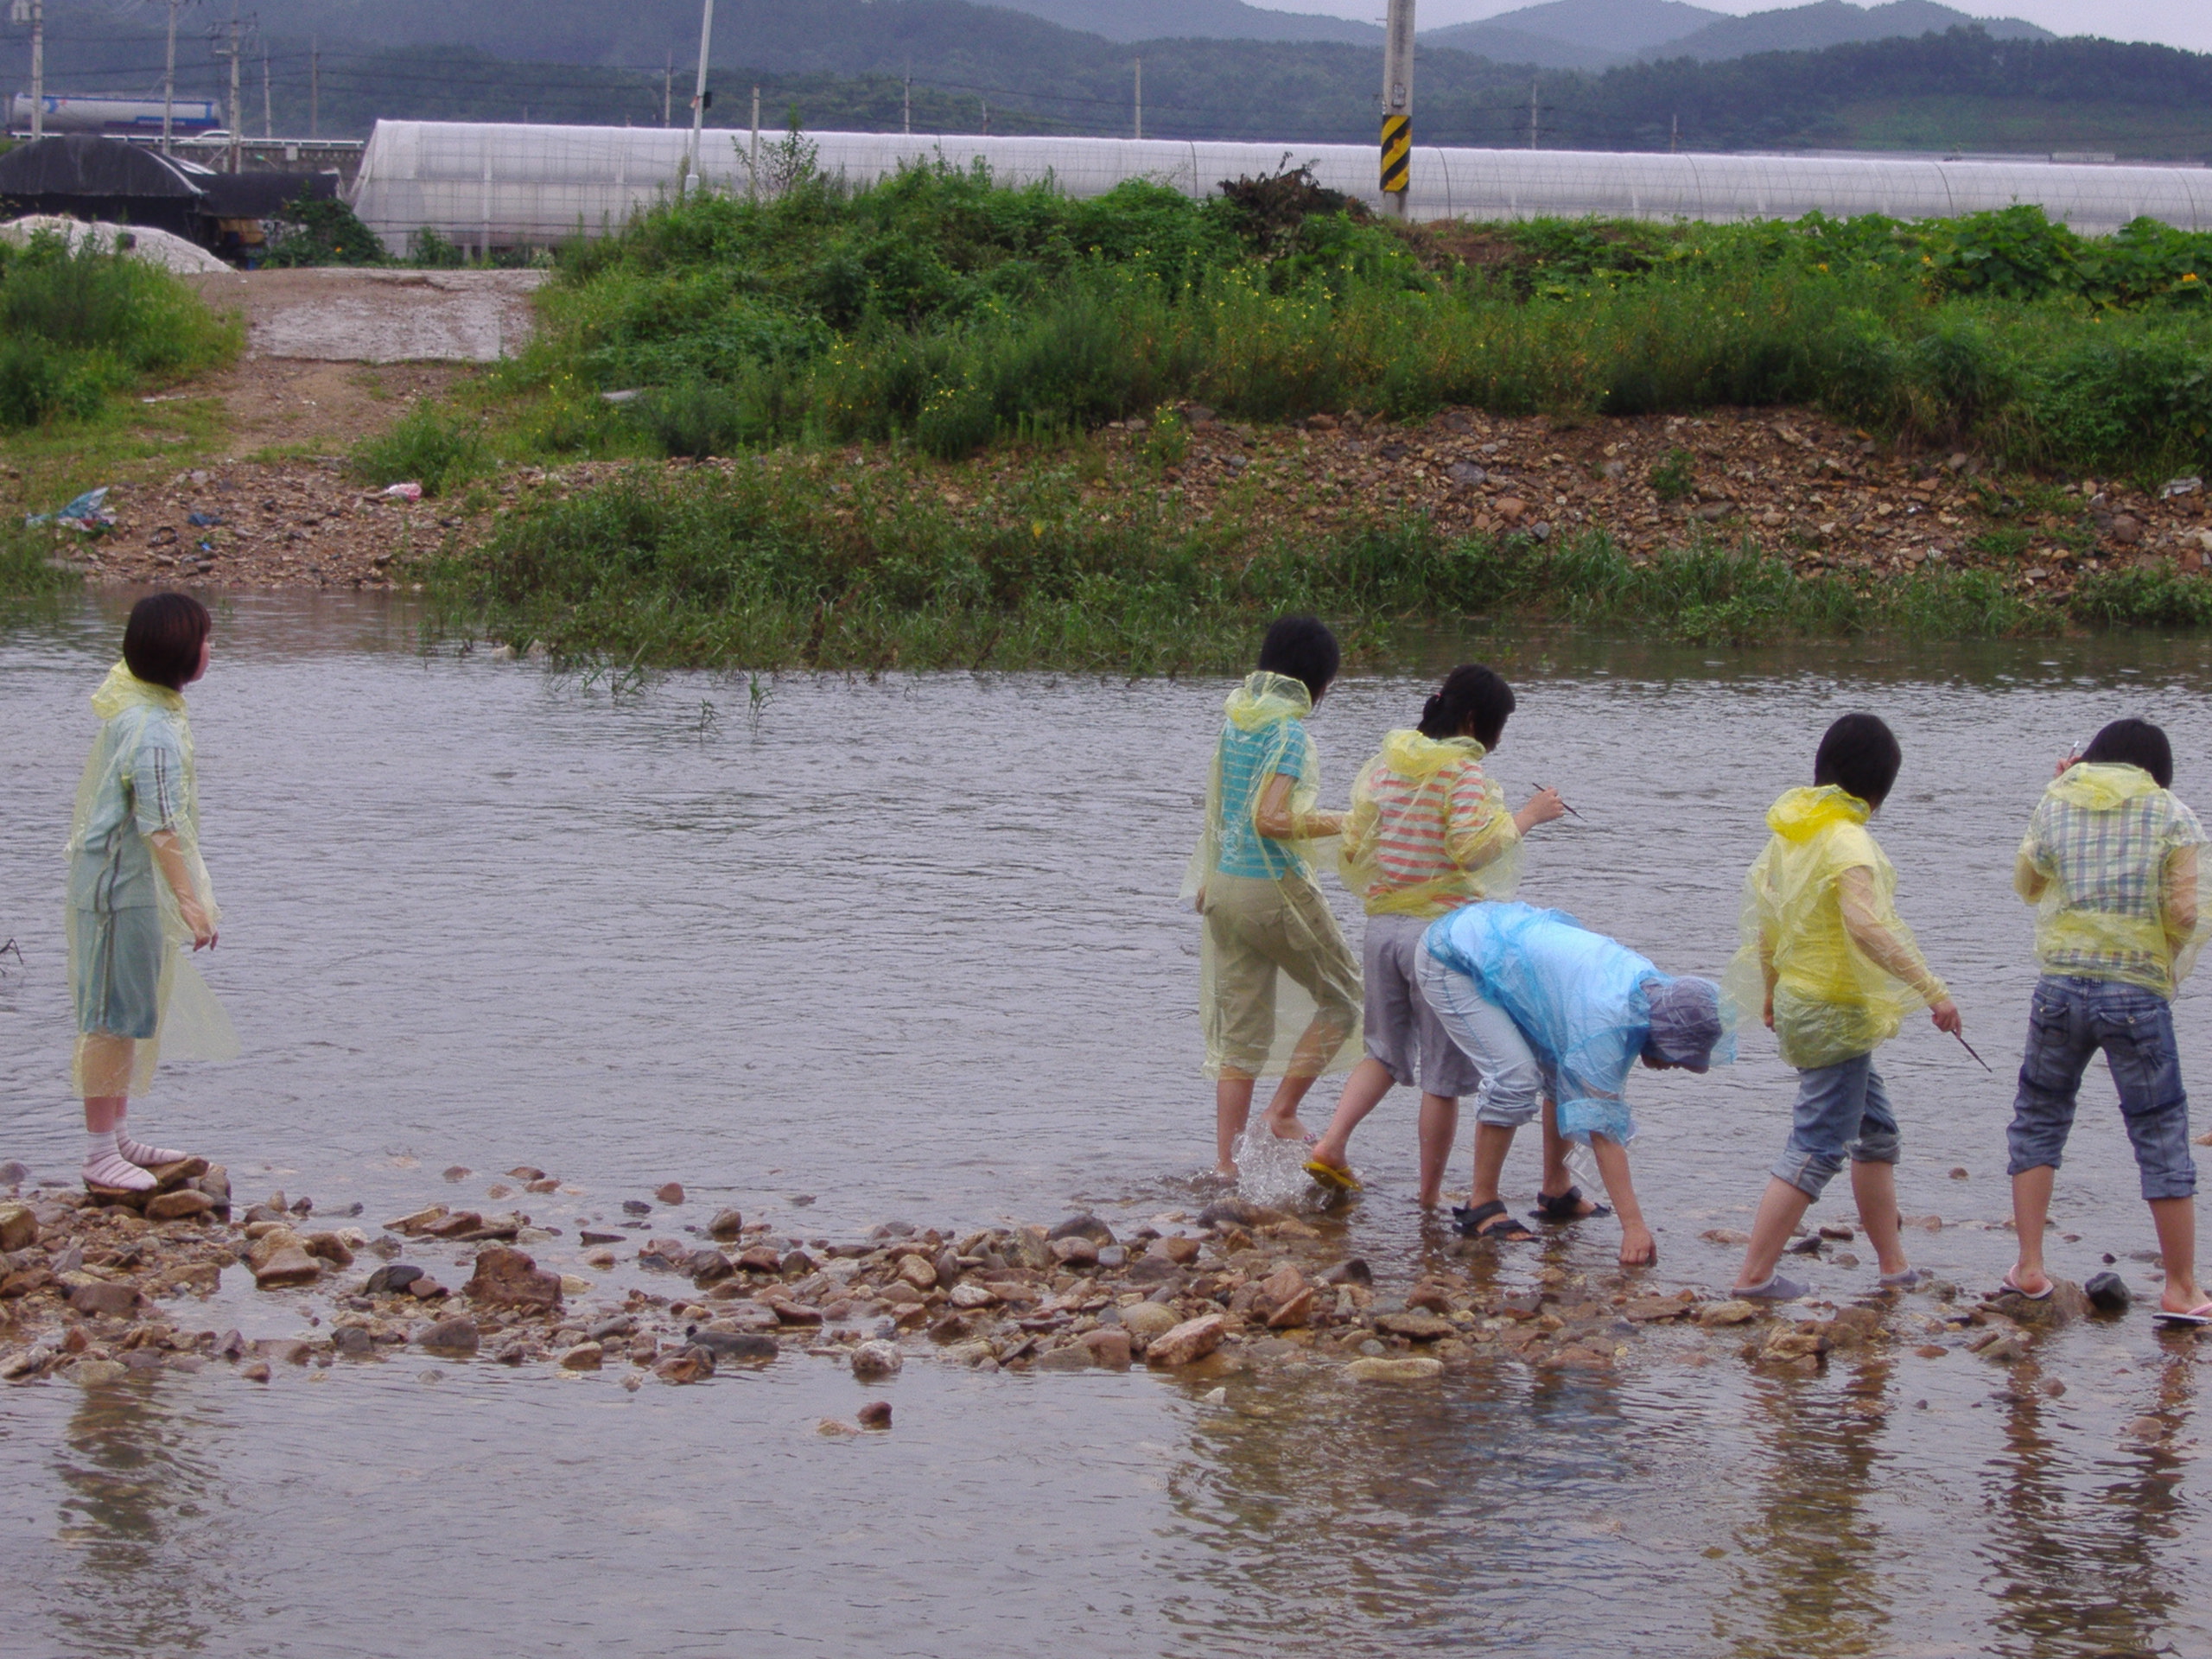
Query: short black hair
[
  {"x": 1302, "y": 648},
  {"x": 1469, "y": 691},
  {"x": 2134, "y": 743},
  {"x": 161, "y": 641},
  {"x": 1859, "y": 755}
]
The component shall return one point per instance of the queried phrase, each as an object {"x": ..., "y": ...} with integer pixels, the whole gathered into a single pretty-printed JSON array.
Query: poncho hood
[
  {"x": 123, "y": 690},
  {"x": 1801, "y": 814},
  {"x": 1266, "y": 698},
  {"x": 2100, "y": 786},
  {"x": 1411, "y": 755}
]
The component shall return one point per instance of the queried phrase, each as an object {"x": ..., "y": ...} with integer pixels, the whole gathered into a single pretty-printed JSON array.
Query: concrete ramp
[{"x": 335, "y": 315}]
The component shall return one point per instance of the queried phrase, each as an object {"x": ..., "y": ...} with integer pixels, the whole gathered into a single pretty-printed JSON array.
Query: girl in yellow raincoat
[
  {"x": 1279, "y": 991},
  {"x": 1428, "y": 832},
  {"x": 1825, "y": 956},
  {"x": 138, "y": 889}
]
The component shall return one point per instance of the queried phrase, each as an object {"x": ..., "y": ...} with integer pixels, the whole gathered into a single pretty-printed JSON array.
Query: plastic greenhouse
[{"x": 495, "y": 185}]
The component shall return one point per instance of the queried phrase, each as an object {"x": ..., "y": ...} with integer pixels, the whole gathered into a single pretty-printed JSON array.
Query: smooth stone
[
  {"x": 1109, "y": 1347},
  {"x": 747, "y": 1346},
  {"x": 584, "y": 1356},
  {"x": 1394, "y": 1371},
  {"x": 875, "y": 1414},
  {"x": 255, "y": 1372},
  {"x": 669, "y": 1192},
  {"x": 18, "y": 1227},
  {"x": 1148, "y": 1321},
  {"x": 101, "y": 1298},
  {"x": 393, "y": 1276},
  {"x": 97, "y": 1373},
  {"x": 1732, "y": 1312},
  {"x": 353, "y": 1341},
  {"x": 1083, "y": 1226},
  {"x": 726, "y": 1225},
  {"x": 451, "y": 1337},
  {"x": 2108, "y": 1294},
  {"x": 1352, "y": 1270},
  {"x": 1192, "y": 1341},
  {"x": 694, "y": 1364},
  {"x": 874, "y": 1361},
  {"x": 505, "y": 1278},
  {"x": 182, "y": 1204},
  {"x": 1415, "y": 1327}
]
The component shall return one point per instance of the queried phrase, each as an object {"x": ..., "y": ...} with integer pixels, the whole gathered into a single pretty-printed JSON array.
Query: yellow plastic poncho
[
  {"x": 2100, "y": 862},
  {"x": 1263, "y": 722},
  {"x": 1428, "y": 830},
  {"x": 1835, "y": 997},
  {"x": 192, "y": 1022}
]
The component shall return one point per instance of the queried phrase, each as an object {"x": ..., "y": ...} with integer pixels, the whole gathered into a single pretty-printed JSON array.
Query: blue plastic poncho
[{"x": 1582, "y": 1001}]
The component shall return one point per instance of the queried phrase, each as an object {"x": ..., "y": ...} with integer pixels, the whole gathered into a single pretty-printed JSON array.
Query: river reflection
[{"x": 866, "y": 958}]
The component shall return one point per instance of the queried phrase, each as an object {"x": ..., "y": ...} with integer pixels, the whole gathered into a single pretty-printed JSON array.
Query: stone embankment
[{"x": 99, "y": 1286}]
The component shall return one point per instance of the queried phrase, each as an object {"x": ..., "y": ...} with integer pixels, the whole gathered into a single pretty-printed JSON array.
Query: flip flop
[
  {"x": 1328, "y": 1175},
  {"x": 2043, "y": 1295},
  {"x": 2196, "y": 1316}
]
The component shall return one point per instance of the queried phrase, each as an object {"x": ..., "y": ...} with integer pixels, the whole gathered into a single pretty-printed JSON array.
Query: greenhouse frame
[{"x": 492, "y": 185}]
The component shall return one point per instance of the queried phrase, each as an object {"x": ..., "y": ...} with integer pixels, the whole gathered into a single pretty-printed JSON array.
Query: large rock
[
  {"x": 1109, "y": 1346},
  {"x": 507, "y": 1278},
  {"x": 451, "y": 1337},
  {"x": 2065, "y": 1304},
  {"x": 1085, "y": 1226},
  {"x": 1192, "y": 1341},
  {"x": 874, "y": 1361},
  {"x": 1149, "y": 1321},
  {"x": 184, "y": 1205},
  {"x": 18, "y": 1227},
  {"x": 279, "y": 1260},
  {"x": 101, "y": 1297}
]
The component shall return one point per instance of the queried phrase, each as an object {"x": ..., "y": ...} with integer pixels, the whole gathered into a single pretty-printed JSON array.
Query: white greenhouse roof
[{"x": 502, "y": 185}]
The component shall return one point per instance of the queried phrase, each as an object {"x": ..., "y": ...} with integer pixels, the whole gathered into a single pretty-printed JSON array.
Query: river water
[{"x": 909, "y": 948}]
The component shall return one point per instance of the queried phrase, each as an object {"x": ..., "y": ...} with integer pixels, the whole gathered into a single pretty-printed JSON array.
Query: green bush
[
  {"x": 323, "y": 232},
  {"x": 77, "y": 328},
  {"x": 940, "y": 308},
  {"x": 426, "y": 447}
]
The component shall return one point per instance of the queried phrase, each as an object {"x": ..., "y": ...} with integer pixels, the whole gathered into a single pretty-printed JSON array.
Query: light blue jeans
[{"x": 1842, "y": 1111}]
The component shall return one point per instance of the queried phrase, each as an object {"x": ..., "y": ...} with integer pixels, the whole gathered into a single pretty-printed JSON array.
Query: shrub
[
  {"x": 436, "y": 451},
  {"x": 1674, "y": 479}
]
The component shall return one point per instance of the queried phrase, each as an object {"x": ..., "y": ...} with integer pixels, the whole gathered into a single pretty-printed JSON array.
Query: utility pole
[
  {"x": 1674, "y": 134},
  {"x": 1397, "y": 106},
  {"x": 38, "y": 70},
  {"x": 698, "y": 99},
  {"x": 267, "y": 130},
  {"x": 986, "y": 103},
  {"x": 906, "y": 104},
  {"x": 235, "y": 117},
  {"x": 1140, "y": 120},
  {"x": 314, "y": 87},
  {"x": 1532, "y": 115},
  {"x": 168, "y": 79},
  {"x": 668, "y": 89},
  {"x": 752, "y": 167}
]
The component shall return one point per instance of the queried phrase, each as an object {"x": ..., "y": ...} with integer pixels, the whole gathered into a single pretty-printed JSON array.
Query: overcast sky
[{"x": 2172, "y": 22}]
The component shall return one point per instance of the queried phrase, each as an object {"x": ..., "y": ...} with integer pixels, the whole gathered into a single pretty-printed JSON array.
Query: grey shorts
[
  {"x": 1402, "y": 1031},
  {"x": 117, "y": 957}
]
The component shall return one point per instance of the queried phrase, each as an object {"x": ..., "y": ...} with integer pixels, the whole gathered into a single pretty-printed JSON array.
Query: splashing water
[{"x": 1271, "y": 1170}]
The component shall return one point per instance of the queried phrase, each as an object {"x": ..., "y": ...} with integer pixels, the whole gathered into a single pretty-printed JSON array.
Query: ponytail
[{"x": 1469, "y": 693}]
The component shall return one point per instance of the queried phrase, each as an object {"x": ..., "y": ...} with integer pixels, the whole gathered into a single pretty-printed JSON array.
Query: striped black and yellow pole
[{"x": 1397, "y": 106}]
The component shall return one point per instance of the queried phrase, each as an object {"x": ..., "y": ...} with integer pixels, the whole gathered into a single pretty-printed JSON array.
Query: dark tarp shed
[{"x": 82, "y": 176}]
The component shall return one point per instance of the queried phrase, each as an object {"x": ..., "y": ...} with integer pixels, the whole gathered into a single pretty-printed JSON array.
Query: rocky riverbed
[
  {"x": 101, "y": 1286},
  {"x": 1793, "y": 483}
]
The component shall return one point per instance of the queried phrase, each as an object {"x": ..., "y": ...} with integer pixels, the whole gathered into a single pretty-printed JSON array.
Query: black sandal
[
  {"x": 1502, "y": 1226},
  {"x": 1567, "y": 1206}
]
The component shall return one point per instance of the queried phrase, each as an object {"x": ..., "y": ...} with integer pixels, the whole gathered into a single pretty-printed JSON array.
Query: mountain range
[{"x": 1606, "y": 34}]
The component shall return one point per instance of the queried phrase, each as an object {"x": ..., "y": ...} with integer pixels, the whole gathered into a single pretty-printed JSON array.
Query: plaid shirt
[{"x": 2103, "y": 914}]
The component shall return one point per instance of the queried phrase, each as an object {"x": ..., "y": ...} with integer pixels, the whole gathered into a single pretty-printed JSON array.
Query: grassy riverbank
[
  {"x": 941, "y": 310},
  {"x": 823, "y": 563}
]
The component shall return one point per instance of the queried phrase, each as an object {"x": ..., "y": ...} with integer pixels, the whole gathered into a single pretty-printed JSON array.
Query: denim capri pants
[
  {"x": 2070, "y": 1019},
  {"x": 1842, "y": 1111}
]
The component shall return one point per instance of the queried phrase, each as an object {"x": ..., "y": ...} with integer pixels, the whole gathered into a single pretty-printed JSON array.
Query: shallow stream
[{"x": 909, "y": 948}]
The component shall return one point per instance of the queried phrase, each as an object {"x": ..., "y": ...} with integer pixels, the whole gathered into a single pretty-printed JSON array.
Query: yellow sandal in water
[{"x": 1337, "y": 1180}]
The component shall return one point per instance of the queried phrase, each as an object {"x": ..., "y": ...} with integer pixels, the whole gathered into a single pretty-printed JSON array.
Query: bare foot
[
  {"x": 1224, "y": 1171},
  {"x": 2189, "y": 1301},
  {"x": 1638, "y": 1248},
  {"x": 1288, "y": 1129}
]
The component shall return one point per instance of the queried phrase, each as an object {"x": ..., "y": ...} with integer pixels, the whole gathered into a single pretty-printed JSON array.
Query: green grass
[
  {"x": 79, "y": 328},
  {"x": 767, "y": 570},
  {"x": 940, "y": 310},
  {"x": 438, "y": 450}
]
